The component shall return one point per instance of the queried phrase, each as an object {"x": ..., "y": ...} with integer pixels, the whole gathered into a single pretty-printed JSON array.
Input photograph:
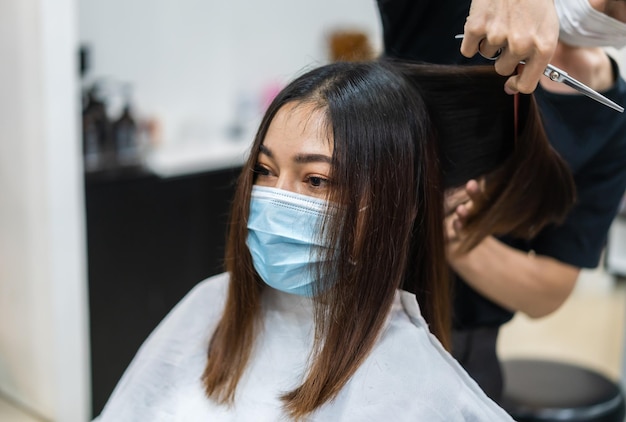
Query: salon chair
[{"x": 547, "y": 391}]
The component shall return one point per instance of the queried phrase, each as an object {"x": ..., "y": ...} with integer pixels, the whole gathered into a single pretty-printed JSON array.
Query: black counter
[{"x": 149, "y": 240}]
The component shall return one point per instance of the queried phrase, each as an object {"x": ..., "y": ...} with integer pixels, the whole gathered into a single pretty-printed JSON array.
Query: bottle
[
  {"x": 97, "y": 141},
  {"x": 125, "y": 134}
]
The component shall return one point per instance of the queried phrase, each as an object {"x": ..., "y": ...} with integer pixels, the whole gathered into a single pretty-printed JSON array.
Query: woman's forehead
[{"x": 301, "y": 125}]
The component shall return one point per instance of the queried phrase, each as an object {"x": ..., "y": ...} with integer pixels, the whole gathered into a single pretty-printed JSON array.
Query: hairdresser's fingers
[
  {"x": 528, "y": 30},
  {"x": 458, "y": 228},
  {"x": 453, "y": 228},
  {"x": 454, "y": 237},
  {"x": 453, "y": 198},
  {"x": 464, "y": 211},
  {"x": 475, "y": 193},
  {"x": 493, "y": 47},
  {"x": 523, "y": 80},
  {"x": 485, "y": 29},
  {"x": 507, "y": 63},
  {"x": 449, "y": 232},
  {"x": 536, "y": 55},
  {"x": 477, "y": 40},
  {"x": 471, "y": 41},
  {"x": 475, "y": 189}
]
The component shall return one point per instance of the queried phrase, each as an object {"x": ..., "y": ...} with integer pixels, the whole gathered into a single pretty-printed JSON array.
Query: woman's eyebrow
[
  {"x": 312, "y": 158},
  {"x": 265, "y": 150},
  {"x": 299, "y": 158}
]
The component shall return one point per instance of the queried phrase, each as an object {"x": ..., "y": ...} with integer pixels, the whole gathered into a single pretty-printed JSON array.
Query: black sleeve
[
  {"x": 600, "y": 185},
  {"x": 592, "y": 139}
]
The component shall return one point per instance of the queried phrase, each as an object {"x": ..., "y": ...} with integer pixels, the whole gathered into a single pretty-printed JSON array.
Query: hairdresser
[{"x": 504, "y": 275}]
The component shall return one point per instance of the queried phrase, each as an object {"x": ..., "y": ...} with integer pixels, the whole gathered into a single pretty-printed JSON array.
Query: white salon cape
[{"x": 408, "y": 376}]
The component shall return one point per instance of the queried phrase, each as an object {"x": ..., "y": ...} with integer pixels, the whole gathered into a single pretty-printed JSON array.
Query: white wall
[
  {"x": 43, "y": 319},
  {"x": 189, "y": 60}
]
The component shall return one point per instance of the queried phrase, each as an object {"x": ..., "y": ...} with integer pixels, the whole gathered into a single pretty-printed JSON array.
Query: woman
[{"x": 338, "y": 208}]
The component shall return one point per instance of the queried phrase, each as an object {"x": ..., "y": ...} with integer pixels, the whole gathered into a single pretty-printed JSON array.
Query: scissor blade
[{"x": 584, "y": 89}]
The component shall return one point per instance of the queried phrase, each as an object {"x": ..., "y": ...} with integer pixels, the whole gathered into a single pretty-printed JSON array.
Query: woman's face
[{"x": 296, "y": 152}]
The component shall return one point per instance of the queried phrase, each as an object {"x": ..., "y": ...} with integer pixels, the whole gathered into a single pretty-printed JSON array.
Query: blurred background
[{"x": 122, "y": 127}]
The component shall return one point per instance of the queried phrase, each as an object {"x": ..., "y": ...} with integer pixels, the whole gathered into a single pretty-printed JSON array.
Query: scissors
[{"x": 558, "y": 75}]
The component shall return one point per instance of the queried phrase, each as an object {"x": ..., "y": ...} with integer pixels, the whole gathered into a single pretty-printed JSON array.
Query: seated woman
[{"x": 338, "y": 212}]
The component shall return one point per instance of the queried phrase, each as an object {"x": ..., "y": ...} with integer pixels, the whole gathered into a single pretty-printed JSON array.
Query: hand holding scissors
[
  {"x": 529, "y": 29},
  {"x": 558, "y": 75}
]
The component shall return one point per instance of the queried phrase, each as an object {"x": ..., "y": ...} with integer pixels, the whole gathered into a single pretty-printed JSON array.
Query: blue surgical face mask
[{"x": 284, "y": 238}]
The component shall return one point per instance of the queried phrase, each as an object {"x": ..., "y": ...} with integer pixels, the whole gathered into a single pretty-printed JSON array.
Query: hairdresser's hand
[
  {"x": 458, "y": 207},
  {"x": 526, "y": 30}
]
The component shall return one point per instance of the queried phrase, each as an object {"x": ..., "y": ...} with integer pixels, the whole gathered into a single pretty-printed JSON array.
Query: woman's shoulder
[
  {"x": 193, "y": 318},
  {"x": 203, "y": 302},
  {"x": 212, "y": 289},
  {"x": 173, "y": 355},
  {"x": 406, "y": 344},
  {"x": 213, "y": 285},
  {"x": 411, "y": 372}
]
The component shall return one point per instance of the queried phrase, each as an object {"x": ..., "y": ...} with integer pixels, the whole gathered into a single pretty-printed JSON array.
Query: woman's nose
[{"x": 287, "y": 183}]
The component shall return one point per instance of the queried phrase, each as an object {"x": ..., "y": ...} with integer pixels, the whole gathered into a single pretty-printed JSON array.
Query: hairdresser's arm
[
  {"x": 528, "y": 29},
  {"x": 533, "y": 284},
  {"x": 590, "y": 65}
]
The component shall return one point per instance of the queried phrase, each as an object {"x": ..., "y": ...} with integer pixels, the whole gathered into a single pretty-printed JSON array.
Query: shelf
[{"x": 198, "y": 157}]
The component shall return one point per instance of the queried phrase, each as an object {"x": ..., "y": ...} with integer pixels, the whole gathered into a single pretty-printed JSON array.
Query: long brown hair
[
  {"x": 484, "y": 132},
  {"x": 386, "y": 178}
]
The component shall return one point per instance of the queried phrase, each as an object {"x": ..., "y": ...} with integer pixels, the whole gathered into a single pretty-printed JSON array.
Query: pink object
[{"x": 270, "y": 91}]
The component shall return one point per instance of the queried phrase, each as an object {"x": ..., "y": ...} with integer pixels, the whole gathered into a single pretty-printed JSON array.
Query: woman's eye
[
  {"x": 317, "y": 181},
  {"x": 260, "y": 170}
]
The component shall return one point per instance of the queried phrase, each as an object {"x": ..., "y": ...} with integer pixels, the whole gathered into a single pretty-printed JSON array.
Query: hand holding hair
[
  {"x": 460, "y": 205},
  {"x": 525, "y": 30}
]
